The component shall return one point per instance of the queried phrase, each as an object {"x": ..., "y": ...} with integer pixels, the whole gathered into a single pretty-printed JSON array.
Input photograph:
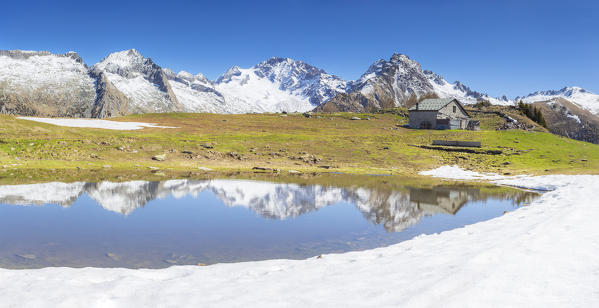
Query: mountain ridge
[{"x": 40, "y": 83}]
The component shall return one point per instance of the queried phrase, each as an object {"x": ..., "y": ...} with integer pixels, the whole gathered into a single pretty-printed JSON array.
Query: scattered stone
[
  {"x": 107, "y": 166},
  {"x": 327, "y": 166},
  {"x": 104, "y": 143},
  {"x": 385, "y": 148},
  {"x": 62, "y": 143},
  {"x": 94, "y": 155},
  {"x": 283, "y": 115},
  {"x": 207, "y": 146},
  {"x": 262, "y": 168},
  {"x": 235, "y": 155},
  {"x": 202, "y": 264},
  {"x": 153, "y": 168},
  {"x": 120, "y": 148},
  {"x": 27, "y": 256},
  {"x": 355, "y": 118},
  {"x": 112, "y": 256},
  {"x": 307, "y": 114},
  {"x": 187, "y": 152},
  {"x": 159, "y": 157},
  {"x": 159, "y": 173},
  {"x": 293, "y": 171},
  {"x": 583, "y": 159},
  {"x": 32, "y": 144},
  {"x": 204, "y": 169},
  {"x": 506, "y": 163},
  {"x": 170, "y": 261}
]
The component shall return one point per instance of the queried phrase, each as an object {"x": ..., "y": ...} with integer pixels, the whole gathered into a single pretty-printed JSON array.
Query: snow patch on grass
[{"x": 94, "y": 123}]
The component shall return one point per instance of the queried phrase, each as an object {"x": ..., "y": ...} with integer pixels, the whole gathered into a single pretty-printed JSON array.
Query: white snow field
[
  {"x": 545, "y": 254},
  {"x": 94, "y": 123}
]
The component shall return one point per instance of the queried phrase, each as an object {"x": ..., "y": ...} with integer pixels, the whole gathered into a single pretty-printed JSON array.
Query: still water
[{"x": 143, "y": 224}]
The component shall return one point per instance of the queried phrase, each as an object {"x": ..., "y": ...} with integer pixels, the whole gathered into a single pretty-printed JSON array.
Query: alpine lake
[{"x": 157, "y": 224}]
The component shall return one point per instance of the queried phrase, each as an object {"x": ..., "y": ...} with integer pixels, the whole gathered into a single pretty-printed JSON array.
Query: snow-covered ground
[
  {"x": 93, "y": 123},
  {"x": 541, "y": 255}
]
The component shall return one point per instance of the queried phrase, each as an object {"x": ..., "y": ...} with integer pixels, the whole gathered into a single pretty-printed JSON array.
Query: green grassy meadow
[{"x": 237, "y": 143}]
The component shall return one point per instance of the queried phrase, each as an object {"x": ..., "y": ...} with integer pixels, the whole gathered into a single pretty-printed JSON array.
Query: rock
[
  {"x": 204, "y": 169},
  {"x": 262, "y": 168},
  {"x": 325, "y": 167},
  {"x": 153, "y": 168},
  {"x": 27, "y": 256},
  {"x": 112, "y": 256},
  {"x": 120, "y": 148},
  {"x": 107, "y": 166},
  {"x": 235, "y": 155},
  {"x": 355, "y": 118},
  {"x": 207, "y": 146},
  {"x": 385, "y": 148},
  {"x": 159, "y": 157},
  {"x": 170, "y": 261},
  {"x": 294, "y": 172},
  {"x": 187, "y": 152},
  {"x": 283, "y": 115},
  {"x": 307, "y": 114}
]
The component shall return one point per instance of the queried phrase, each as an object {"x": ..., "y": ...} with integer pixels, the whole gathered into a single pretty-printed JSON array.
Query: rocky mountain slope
[
  {"x": 45, "y": 84},
  {"x": 400, "y": 82},
  {"x": 569, "y": 119},
  {"x": 581, "y": 97},
  {"x": 143, "y": 82}
]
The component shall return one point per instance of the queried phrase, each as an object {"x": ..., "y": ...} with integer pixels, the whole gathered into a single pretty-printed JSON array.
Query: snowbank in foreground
[
  {"x": 93, "y": 123},
  {"x": 541, "y": 255}
]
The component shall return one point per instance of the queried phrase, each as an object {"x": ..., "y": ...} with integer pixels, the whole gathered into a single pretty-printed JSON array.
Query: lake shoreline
[{"x": 528, "y": 245}]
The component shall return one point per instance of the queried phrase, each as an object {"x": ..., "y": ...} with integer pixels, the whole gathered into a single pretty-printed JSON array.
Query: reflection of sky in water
[{"x": 220, "y": 221}]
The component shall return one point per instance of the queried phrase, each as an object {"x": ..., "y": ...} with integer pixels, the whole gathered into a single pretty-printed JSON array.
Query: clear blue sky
[{"x": 498, "y": 47}]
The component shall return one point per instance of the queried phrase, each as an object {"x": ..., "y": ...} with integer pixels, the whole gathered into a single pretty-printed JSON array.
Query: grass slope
[{"x": 233, "y": 143}]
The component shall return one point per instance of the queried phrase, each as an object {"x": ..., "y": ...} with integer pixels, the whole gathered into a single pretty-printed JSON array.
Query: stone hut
[{"x": 439, "y": 113}]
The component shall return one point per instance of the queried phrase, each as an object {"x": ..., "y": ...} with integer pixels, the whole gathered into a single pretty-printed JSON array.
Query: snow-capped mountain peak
[
  {"x": 460, "y": 91},
  {"x": 577, "y": 95},
  {"x": 230, "y": 73},
  {"x": 141, "y": 80}
]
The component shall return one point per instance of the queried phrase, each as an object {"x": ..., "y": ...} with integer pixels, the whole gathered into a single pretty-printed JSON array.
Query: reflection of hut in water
[{"x": 438, "y": 200}]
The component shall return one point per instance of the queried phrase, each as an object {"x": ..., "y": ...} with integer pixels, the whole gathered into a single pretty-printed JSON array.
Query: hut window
[{"x": 454, "y": 109}]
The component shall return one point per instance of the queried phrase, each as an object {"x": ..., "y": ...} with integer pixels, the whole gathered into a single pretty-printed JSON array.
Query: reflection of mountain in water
[{"x": 395, "y": 209}]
